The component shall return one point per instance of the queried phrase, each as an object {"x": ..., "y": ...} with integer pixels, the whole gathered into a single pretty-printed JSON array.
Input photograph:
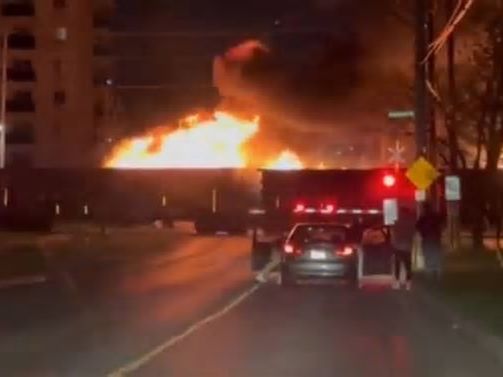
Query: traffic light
[{"x": 389, "y": 180}]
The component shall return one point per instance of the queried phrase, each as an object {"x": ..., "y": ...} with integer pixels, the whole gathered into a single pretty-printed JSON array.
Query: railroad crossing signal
[
  {"x": 396, "y": 152},
  {"x": 389, "y": 180}
]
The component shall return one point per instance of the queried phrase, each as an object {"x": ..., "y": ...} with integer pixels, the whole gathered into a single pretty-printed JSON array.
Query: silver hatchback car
[{"x": 318, "y": 250}]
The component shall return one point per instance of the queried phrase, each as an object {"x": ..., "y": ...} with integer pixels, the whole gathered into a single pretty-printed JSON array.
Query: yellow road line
[{"x": 140, "y": 362}]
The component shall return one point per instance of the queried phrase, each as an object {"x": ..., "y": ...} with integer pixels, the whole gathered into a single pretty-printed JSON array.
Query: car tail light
[
  {"x": 288, "y": 249},
  {"x": 346, "y": 251}
]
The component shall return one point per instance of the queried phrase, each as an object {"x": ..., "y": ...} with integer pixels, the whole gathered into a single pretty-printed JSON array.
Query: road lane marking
[{"x": 143, "y": 360}]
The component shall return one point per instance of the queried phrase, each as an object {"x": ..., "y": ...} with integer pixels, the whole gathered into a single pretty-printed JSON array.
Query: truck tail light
[
  {"x": 328, "y": 209},
  {"x": 299, "y": 208}
]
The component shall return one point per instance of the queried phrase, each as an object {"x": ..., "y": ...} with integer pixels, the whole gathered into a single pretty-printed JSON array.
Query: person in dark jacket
[
  {"x": 402, "y": 239},
  {"x": 430, "y": 225},
  {"x": 357, "y": 229}
]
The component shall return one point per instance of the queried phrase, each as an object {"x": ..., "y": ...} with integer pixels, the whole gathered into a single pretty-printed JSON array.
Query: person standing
[
  {"x": 430, "y": 226},
  {"x": 357, "y": 229},
  {"x": 402, "y": 239}
]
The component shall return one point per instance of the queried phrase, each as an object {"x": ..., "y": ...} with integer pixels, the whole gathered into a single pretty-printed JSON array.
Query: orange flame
[
  {"x": 214, "y": 143},
  {"x": 287, "y": 160}
]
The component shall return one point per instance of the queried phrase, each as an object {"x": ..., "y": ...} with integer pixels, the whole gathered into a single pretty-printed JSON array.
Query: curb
[{"x": 490, "y": 343}]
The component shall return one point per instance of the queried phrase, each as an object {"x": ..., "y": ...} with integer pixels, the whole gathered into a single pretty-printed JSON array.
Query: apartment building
[{"x": 58, "y": 87}]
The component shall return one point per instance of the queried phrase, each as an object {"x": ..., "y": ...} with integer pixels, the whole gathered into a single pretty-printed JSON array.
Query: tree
[{"x": 480, "y": 110}]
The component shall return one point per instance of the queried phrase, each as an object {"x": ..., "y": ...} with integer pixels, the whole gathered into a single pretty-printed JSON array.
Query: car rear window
[{"x": 318, "y": 233}]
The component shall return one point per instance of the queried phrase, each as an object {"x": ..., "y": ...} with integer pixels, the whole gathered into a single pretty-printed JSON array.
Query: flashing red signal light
[{"x": 389, "y": 180}]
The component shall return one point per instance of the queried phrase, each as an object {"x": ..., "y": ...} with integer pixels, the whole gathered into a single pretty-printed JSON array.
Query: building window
[
  {"x": 59, "y": 4},
  {"x": 21, "y": 70},
  {"x": 59, "y": 98}
]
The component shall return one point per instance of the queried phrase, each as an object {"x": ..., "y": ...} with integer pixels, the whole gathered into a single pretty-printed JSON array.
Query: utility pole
[
  {"x": 3, "y": 103},
  {"x": 421, "y": 89},
  {"x": 452, "y": 206},
  {"x": 431, "y": 77},
  {"x": 451, "y": 88},
  {"x": 430, "y": 108}
]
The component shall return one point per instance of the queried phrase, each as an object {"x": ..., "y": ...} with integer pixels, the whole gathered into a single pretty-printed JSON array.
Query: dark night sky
[
  {"x": 361, "y": 37},
  {"x": 211, "y": 14}
]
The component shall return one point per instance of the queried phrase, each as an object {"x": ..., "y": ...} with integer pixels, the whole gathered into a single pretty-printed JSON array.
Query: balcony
[
  {"x": 20, "y": 105},
  {"x": 18, "y": 9},
  {"x": 21, "y": 75},
  {"x": 21, "y": 41},
  {"x": 21, "y": 70}
]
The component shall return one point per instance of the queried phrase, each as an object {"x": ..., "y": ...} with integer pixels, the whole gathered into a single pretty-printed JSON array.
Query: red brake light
[
  {"x": 299, "y": 207},
  {"x": 346, "y": 252},
  {"x": 288, "y": 249},
  {"x": 389, "y": 180},
  {"x": 328, "y": 209}
]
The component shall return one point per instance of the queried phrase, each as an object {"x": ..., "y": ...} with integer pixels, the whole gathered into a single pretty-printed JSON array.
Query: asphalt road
[
  {"x": 117, "y": 314},
  {"x": 111, "y": 309}
]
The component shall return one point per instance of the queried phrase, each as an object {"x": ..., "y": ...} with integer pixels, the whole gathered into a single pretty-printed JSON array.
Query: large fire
[
  {"x": 287, "y": 160},
  {"x": 215, "y": 142}
]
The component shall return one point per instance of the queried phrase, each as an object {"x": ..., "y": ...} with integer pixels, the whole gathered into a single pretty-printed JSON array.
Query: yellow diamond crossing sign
[{"x": 422, "y": 174}]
